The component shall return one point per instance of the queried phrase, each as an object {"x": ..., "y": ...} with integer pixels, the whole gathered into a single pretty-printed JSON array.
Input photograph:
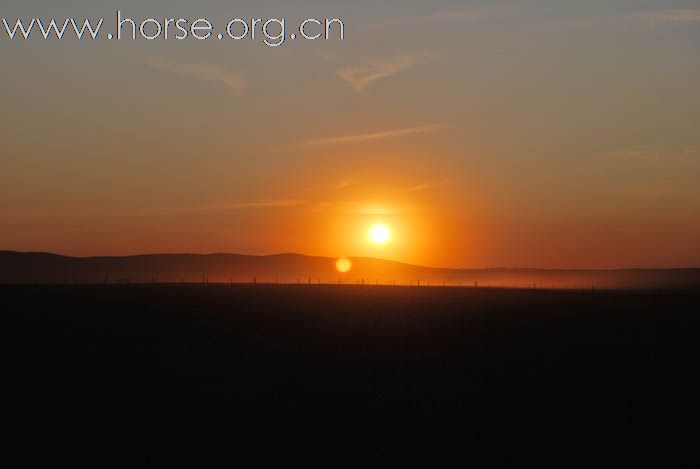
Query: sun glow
[
  {"x": 343, "y": 265},
  {"x": 379, "y": 234}
]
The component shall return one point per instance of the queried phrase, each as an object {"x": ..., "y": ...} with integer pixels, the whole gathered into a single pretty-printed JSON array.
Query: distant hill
[{"x": 46, "y": 268}]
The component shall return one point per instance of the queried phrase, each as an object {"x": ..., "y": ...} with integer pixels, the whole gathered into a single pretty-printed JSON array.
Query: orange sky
[{"x": 499, "y": 134}]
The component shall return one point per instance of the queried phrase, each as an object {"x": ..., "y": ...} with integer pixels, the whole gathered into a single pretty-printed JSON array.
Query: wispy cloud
[
  {"x": 647, "y": 191},
  {"x": 210, "y": 73},
  {"x": 654, "y": 155},
  {"x": 372, "y": 136},
  {"x": 424, "y": 186},
  {"x": 372, "y": 210},
  {"x": 363, "y": 75},
  {"x": 91, "y": 211},
  {"x": 268, "y": 203},
  {"x": 438, "y": 17},
  {"x": 658, "y": 158},
  {"x": 345, "y": 183},
  {"x": 671, "y": 16}
]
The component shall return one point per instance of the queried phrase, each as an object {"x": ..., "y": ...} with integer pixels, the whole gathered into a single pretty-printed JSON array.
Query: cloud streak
[
  {"x": 671, "y": 16},
  {"x": 643, "y": 153},
  {"x": 426, "y": 186},
  {"x": 372, "y": 136},
  {"x": 257, "y": 204},
  {"x": 655, "y": 156},
  {"x": 362, "y": 76},
  {"x": 82, "y": 211},
  {"x": 208, "y": 73}
]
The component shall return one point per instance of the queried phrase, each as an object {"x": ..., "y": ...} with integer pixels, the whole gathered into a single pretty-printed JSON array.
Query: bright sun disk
[{"x": 379, "y": 233}]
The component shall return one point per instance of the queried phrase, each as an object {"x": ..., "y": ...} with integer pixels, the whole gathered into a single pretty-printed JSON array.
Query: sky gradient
[{"x": 514, "y": 134}]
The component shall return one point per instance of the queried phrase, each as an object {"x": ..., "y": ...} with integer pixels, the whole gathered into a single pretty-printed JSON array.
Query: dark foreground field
[{"x": 362, "y": 369}]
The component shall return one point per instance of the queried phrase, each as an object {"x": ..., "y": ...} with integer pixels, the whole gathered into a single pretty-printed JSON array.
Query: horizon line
[{"x": 407, "y": 264}]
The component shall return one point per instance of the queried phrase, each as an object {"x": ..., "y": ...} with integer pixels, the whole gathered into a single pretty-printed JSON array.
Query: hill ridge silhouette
[{"x": 50, "y": 268}]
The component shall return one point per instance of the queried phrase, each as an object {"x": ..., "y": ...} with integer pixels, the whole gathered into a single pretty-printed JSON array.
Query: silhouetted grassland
[{"x": 487, "y": 367}]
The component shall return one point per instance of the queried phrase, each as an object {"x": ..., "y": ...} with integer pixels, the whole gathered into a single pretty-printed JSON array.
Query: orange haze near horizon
[{"x": 483, "y": 134}]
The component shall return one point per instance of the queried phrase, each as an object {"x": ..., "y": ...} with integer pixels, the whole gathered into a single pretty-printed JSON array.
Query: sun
[
  {"x": 379, "y": 234},
  {"x": 343, "y": 265}
]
